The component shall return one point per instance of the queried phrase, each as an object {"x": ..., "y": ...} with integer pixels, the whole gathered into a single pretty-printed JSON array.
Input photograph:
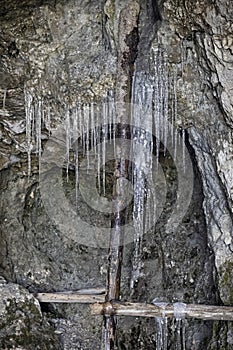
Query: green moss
[
  {"x": 226, "y": 282},
  {"x": 109, "y": 9},
  {"x": 24, "y": 326}
]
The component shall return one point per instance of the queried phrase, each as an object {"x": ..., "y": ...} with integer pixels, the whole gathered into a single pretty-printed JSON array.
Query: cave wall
[
  {"x": 205, "y": 30},
  {"x": 64, "y": 49}
]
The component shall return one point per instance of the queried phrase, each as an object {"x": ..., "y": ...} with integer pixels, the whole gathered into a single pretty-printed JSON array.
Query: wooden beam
[
  {"x": 96, "y": 297},
  {"x": 198, "y": 311},
  {"x": 82, "y": 296},
  {"x": 128, "y": 41}
]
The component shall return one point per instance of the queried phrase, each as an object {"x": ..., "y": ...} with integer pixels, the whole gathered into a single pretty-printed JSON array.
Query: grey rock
[
  {"x": 64, "y": 52},
  {"x": 21, "y": 321}
]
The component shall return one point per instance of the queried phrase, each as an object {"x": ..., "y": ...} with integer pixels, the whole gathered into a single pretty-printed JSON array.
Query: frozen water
[
  {"x": 76, "y": 151},
  {"x": 29, "y": 111},
  {"x": 39, "y": 116},
  {"x": 166, "y": 97},
  {"x": 68, "y": 136},
  {"x": 105, "y": 123},
  {"x": 179, "y": 314},
  {"x": 86, "y": 120},
  {"x": 161, "y": 327},
  {"x": 179, "y": 310},
  {"x": 183, "y": 147},
  {"x": 4, "y": 99}
]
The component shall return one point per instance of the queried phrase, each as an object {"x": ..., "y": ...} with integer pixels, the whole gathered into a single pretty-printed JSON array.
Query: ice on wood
[{"x": 161, "y": 327}]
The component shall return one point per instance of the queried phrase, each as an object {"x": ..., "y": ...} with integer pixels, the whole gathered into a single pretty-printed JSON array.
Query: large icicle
[
  {"x": 38, "y": 119},
  {"x": 68, "y": 137},
  {"x": 179, "y": 314},
  {"x": 29, "y": 111},
  {"x": 142, "y": 95},
  {"x": 86, "y": 117},
  {"x": 76, "y": 150},
  {"x": 165, "y": 103},
  {"x": 162, "y": 330},
  {"x": 105, "y": 122},
  {"x": 4, "y": 99}
]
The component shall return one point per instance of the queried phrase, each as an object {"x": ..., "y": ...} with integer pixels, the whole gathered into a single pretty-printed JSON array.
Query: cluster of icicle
[
  {"x": 178, "y": 326},
  {"x": 88, "y": 126},
  {"x": 156, "y": 96},
  {"x": 81, "y": 121}
]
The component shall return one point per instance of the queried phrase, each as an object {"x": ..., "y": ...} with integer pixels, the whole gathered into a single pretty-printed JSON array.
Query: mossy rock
[
  {"x": 226, "y": 282},
  {"x": 22, "y": 325}
]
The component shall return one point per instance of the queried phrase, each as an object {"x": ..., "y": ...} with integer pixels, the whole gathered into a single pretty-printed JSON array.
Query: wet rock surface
[{"x": 63, "y": 50}]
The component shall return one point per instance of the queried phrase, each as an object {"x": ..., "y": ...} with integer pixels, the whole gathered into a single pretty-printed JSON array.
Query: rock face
[
  {"x": 56, "y": 53},
  {"x": 206, "y": 44},
  {"x": 21, "y": 321}
]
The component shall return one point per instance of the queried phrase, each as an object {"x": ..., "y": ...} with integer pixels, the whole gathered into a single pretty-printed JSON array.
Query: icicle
[
  {"x": 148, "y": 210},
  {"x": 111, "y": 108},
  {"x": 80, "y": 121},
  {"x": 175, "y": 143},
  {"x": 86, "y": 116},
  {"x": 29, "y": 116},
  {"x": 92, "y": 113},
  {"x": 98, "y": 164},
  {"x": 82, "y": 126},
  {"x": 162, "y": 331},
  {"x": 39, "y": 112},
  {"x": 112, "y": 112},
  {"x": 67, "y": 124},
  {"x": 42, "y": 111},
  {"x": 75, "y": 141},
  {"x": 183, "y": 56},
  {"x": 166, "y": 97},
  {"x": 49, "y": 118},
  {"x": 138, "y": 220},
  {"x": 183, "y": 147},
  {"x": 96, "y": 130},
  {"x": 141, "y": 149},
  {"x": 160, "y": 69},
  {"x": 179, "y": 314},
  {"x": 179, "y": 310},
  {"x": 157, "y": 114},
  {"x": 104, "y": 132},
  {"x": 4, "y": 99},
  {"x": 173, "y": 102}
]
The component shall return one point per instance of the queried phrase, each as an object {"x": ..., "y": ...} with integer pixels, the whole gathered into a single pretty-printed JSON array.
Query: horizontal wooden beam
[
  {"x": 204, "y": 312},
  {"x": 82, "y": 296},
  {"x": 96, "y": 297}
]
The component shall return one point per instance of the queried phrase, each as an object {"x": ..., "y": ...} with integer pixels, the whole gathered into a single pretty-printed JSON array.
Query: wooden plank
[{"x": 82, "y": 296}]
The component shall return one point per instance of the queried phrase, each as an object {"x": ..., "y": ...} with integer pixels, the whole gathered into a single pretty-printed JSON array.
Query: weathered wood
[
  {"x": 96, "y": 297},
  {"x": 82, "y": 296},
  {"x": 128, "y": 40},
  {"x": 198, "y": 311}
]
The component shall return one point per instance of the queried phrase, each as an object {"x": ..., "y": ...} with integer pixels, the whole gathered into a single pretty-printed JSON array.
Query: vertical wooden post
[{"x": 127, "y": 51}]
